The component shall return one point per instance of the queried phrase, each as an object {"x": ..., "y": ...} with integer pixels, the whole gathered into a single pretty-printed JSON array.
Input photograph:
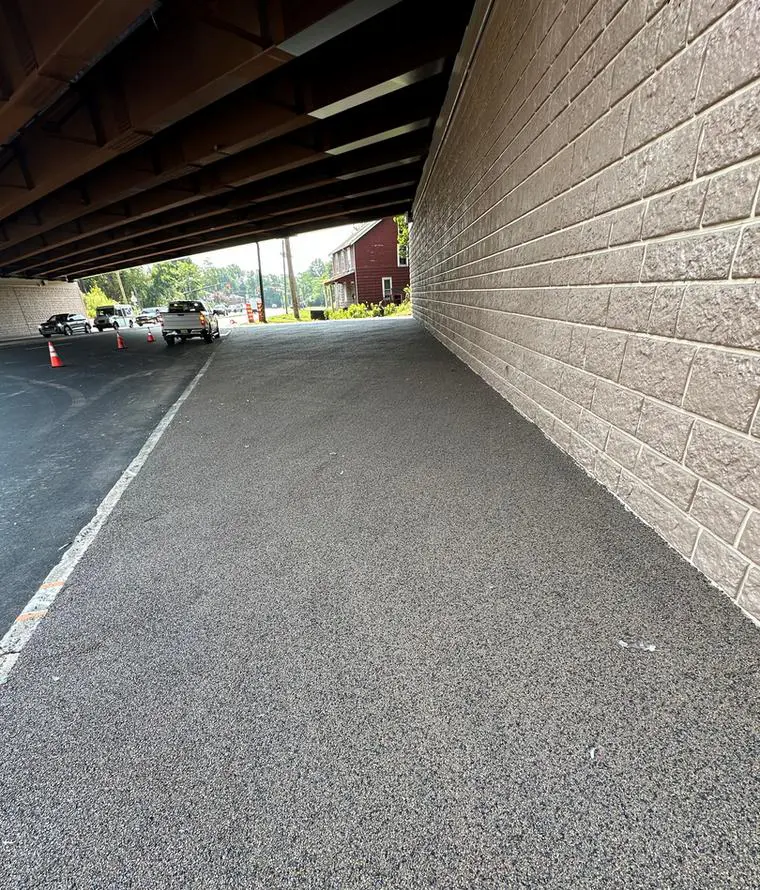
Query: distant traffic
[{"x": 179, "y": 320}]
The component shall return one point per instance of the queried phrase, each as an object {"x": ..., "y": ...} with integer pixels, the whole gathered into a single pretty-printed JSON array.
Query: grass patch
[
  {"x": 355, "y": 310},
  {"x": 286, "y": 319}
]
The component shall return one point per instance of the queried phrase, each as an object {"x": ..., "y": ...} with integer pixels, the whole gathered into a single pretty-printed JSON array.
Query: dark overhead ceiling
[{"x": 133, "y": 131}]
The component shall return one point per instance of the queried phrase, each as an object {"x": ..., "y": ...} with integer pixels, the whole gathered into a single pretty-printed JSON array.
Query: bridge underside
[{"x": 138, "y": 131}]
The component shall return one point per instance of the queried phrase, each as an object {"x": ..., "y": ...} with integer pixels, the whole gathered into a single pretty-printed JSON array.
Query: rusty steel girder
[
  {"x": 294, "y": 227},
  {"x": 281, "y": 102},
  {"x": 45, "y": 45},
  {"x": 253, "y": 173},
  {"x": 377, "y": 121},
  {"x": 183, "y": 58},
  {"x": 400, "y": 178},
  {"x": 403, "y": 150},
  {"x": 359, "y": 210},
  {"x": 209, "y": 122}
]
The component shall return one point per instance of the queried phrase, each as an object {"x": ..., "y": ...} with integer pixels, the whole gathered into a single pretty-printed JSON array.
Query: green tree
[
  {"x": 227, "y": 283},
  {"x": 95, "y": 297},
  {"x": 157, "y": 285},
  {"x": 134, "y": 281},
  {"x": 311, "y": 283},
  {"x": 106, "y": 284},
  {"x": 174, "y": 280},
  {"x": 273, "y": 292},
  {"x": 402, "y": 227}
]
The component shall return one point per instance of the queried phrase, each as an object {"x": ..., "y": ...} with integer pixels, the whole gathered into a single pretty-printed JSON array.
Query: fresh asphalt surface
[
  {"x": 374, "y": 645},
  {"x": 66, "y": 435}
]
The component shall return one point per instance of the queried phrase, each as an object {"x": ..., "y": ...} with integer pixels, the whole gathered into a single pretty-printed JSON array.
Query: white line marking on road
[{"x": 35, "y": 610}]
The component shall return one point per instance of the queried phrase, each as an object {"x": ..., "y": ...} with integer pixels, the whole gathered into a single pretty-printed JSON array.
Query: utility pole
[
  {"x": 284, "y": 280},
  {"x": 121, "y": 287},
  {"x": 293, "y": 286},
  {"x": 263, "y": 313}
]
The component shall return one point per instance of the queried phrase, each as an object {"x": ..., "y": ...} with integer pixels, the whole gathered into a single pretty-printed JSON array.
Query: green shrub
[
  {"x": 355, "y": 310},
  {"x": 374, "y": 310},
  {"x": 404, "y": 308},
  {"x": 95, "y": 297}
]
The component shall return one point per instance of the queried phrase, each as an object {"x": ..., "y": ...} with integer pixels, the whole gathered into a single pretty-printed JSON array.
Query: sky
[{"x": 304, "y": 248}]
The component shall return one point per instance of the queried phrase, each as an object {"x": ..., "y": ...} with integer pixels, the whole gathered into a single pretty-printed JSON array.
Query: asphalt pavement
[
  {"x": 377, "y": 644},
  {"x": 66, "y": 435}
]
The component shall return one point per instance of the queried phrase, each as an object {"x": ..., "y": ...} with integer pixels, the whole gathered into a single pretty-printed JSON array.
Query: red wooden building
[{"x": 369, "y": 266}]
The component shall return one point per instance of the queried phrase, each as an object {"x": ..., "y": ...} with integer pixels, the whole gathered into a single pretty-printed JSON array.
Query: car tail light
[{"x": 203, "y": 319}]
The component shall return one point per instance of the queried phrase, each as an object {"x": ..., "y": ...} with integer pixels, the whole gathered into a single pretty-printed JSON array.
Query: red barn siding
[{"x": 375, "y": 259}]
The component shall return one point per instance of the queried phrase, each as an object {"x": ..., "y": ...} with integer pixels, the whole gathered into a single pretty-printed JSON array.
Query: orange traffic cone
[
  {"x": 120, "y": 344},
  {"x": 55, "y": 360},
  {"x": 151, "y": 338}
]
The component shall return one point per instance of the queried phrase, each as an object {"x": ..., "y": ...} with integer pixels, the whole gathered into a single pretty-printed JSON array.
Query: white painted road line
[{"x": 12, "y": 644}]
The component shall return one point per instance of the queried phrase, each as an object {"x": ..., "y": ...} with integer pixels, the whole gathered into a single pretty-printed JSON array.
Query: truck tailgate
[{"x": 182, "y": 321}]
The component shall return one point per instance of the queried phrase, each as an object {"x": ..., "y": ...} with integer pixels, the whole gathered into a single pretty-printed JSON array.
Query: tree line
[{"x": 162, "y": 283}]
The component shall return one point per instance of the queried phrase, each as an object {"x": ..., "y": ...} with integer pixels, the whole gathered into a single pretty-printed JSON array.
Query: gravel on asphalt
[{"x": 374, "y": 642}]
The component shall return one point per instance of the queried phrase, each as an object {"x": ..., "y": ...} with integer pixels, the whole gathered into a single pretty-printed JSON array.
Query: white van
[{"x": 117, "y": 316}]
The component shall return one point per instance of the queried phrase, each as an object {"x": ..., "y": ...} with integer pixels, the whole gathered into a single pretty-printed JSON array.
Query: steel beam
[
  {"x": 377, "y": 121},
  {"x": 348, "y": 70},
  {"x": 399, "y": 180},
  {"x": 44, "y": 45},
  {"x": 199, "y": 241},
  {"x": 355, "y": 166},
  {"x": 189, "y": 55},
  {"x": 361, "y": 212}
]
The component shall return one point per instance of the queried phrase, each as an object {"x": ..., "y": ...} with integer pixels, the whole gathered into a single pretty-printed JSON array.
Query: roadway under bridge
[
  {"x": 421, "y": 647},
  {"x": 583, "y": 176}
]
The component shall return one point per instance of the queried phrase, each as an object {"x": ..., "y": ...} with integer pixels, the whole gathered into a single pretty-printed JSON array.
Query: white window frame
[
  {"x": 399, "y": 258},
  {"x": 387, "y": 293}
]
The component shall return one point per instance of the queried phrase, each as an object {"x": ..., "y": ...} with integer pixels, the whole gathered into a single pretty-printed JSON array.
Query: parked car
[
  {"x": 119, "y": 315},
  {"x": 189, "y": 318},
  {"x": 66, "y": 323},
  {"x": 149, "y": 315}
]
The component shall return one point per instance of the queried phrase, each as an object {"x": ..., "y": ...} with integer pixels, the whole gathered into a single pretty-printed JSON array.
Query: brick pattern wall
[
  {"x": 587, "y": 240},
  {"x": 24, "y": 304}
]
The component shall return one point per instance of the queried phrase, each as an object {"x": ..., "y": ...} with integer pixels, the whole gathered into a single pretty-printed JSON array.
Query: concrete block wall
[
  {"x": 24, "y": 304},
  {"x": 586, "y": 237}
]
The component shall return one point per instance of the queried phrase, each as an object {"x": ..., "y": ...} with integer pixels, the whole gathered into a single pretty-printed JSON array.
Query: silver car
[{"x": 66, "y": 323}]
